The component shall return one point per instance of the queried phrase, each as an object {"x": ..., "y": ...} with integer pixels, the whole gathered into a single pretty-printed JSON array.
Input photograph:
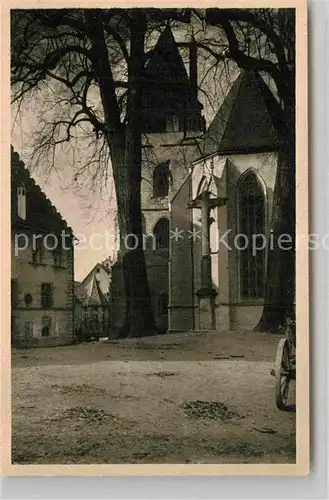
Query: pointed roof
[
  {"x": 165, "y": 61},
  {"x": 96, "y": 296},
  {"x": 249, "y": 119},
  {"x": 167, "y": 86},
  {"x": 89, "y": 292},
  {"x": 93, "y": 296}
]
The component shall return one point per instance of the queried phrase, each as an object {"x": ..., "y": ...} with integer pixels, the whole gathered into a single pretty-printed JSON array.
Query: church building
[
  {"x": 205, "y": 194},
  {"x": 222, "y": 213}
]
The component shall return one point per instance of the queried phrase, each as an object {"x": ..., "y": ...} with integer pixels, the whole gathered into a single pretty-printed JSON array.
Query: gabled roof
[
  {"x": 249, "y": 119},
  {"x": 91, "y": 296},
  {"x": 89, "y": 291},
  {"x": 105, "y": 265},
  {"x": 41, "y": 214},
  {"x": 95, "y": 296}
]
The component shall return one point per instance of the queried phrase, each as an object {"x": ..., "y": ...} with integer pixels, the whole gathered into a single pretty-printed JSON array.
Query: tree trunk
[
  {"x": 281, "y": 269},
  {"x": 126, "y": 156},
  {"x": 139, "y": 320}
]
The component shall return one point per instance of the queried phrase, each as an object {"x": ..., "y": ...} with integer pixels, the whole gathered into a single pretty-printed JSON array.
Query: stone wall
[
  {"x": 29, "y": 277},
  {"x": 232, "y": 312}
]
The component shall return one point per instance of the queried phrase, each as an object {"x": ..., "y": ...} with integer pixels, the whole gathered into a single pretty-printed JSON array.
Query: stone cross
[{"x": 206, "y": 293}]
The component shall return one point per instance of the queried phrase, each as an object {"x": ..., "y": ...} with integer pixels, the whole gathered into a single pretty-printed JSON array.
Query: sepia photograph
[{"x": 157, "y": 236}]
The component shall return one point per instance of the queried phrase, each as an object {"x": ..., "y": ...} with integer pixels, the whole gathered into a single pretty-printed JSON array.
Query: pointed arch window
[
  {"x": 21, "y": 201},
  {"x": 251, "y": 222},
  {"x": 161, "y": 233},
  {"x": 161, "y": 180}
]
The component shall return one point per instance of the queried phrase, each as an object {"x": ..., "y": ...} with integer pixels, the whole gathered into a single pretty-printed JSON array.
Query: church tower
[{"x": 172, "y": 120}]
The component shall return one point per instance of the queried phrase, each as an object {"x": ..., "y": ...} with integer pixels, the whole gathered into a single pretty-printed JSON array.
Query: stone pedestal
[{"x": 207, "y": 318}]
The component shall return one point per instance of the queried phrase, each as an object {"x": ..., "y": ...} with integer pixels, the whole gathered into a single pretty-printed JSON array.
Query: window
[
  {"x": 28, "y": 330},
  {"x": 47, "y": 295},
  {"x": 161, "y": 177},
  {"x": 251, "y": 221},
  {"x": 37, "y": 251},
  {"x": 163, "y": 304},
  {"x": 46, "y": 326},
  {"x": 161, "y": 233},
  {"x": 21, "y": 201},
  {"x": 14, "y": 293},
  {"x": 59, "y": 260}
]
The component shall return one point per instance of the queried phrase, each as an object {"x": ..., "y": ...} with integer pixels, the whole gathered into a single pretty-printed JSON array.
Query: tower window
[
  {"x": 251, "y": 221},
  {"x": 21, "y": 201},
  {"x": 161, "y": 177},
  {"x": 161, "y": 233}
]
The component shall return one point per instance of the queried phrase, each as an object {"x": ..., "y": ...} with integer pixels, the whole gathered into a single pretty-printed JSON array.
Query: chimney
[{"x": 194, "y": 69}]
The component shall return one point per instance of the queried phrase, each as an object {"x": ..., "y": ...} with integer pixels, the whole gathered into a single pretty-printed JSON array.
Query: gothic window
[
  {"x": 161, "y": 233},
  {"x": 251, "y": 222},
  {"x": 21, "y": 201},
  {"x": 161, "y": 177}
]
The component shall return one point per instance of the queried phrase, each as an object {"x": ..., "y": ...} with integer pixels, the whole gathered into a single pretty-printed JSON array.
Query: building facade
[
  {"x": 42, "y": 265},
  {"x": 93, "y": 303}
]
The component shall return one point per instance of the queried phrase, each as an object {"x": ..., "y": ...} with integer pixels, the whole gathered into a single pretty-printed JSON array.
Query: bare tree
[
  {"x": 89, "y": 64},
  {"x": 84, "y": 51}
]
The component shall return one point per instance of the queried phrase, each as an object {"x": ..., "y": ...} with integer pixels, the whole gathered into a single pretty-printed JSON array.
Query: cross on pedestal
[{"x": 206, "y": 293}]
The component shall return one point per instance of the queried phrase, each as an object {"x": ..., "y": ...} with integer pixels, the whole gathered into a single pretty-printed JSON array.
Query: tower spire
[{"x": 170, "y": 94}]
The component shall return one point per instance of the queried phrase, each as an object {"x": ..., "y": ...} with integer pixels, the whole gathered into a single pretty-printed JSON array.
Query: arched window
[
  {"x": 251, "y": 222},
  {"x": 21, "y": 201},
  {"x": 161, "y": 178},
  {"x": 161, "y": 233}
]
